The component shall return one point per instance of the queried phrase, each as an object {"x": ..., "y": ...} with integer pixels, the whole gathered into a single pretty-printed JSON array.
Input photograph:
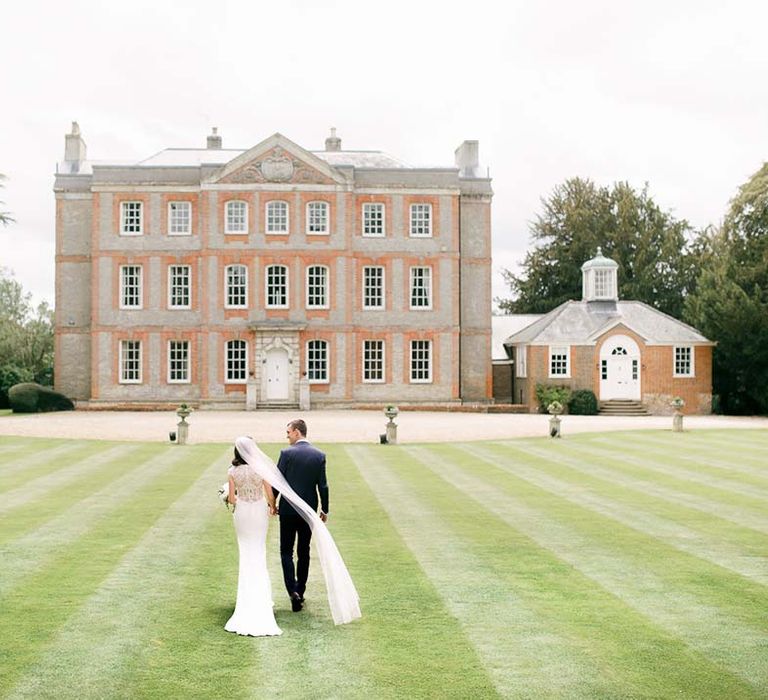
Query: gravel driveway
[{"x": 336, "y": 426}]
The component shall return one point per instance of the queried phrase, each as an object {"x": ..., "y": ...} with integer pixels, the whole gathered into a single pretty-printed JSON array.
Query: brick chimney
[
  {"x": 214, "y": 140},
  {"x": 468, "y": 159},
  {"x": 74, "y": 148},
  {"x": 333, "y": 142}
]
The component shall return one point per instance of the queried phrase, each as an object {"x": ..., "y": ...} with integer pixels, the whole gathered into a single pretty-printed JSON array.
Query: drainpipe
[{"x": 461, "y": 368}]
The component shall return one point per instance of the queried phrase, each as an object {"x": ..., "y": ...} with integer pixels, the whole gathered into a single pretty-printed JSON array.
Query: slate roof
[
  {"x": 504, "y": 326},
  {"x": 194, "y": 157},
  {"x": 581, "y": 323}
]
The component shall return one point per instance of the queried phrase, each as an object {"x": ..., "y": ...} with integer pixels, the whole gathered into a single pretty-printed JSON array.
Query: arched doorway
[{"x": 619, "y": 369}]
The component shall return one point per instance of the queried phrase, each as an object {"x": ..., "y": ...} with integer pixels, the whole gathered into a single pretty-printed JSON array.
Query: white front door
[
  {"x": 619, "y": 369},
  {"x": 277, "y": 375}
]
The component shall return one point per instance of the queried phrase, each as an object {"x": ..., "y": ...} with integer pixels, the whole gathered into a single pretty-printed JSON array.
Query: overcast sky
[{"x": 671, "y": 93}]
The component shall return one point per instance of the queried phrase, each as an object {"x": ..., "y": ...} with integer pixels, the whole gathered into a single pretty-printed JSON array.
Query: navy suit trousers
[{"x": 293, "y": 527}]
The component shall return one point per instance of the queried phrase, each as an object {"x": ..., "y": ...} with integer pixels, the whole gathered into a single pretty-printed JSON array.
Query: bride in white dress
[
  {"x": 252, "y": 497},
  {"x": 253, "y": 481}
]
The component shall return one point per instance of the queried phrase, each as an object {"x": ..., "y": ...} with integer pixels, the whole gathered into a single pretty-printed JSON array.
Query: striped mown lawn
[{"x": 624, "y": 565}]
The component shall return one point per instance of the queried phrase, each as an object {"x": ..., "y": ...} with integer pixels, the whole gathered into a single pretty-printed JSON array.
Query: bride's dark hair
[{"x": 238, "y": 460}]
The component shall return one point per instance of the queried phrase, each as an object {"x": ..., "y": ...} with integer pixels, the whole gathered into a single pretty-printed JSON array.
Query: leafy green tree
[
  {"x": 5, "y": 217},
  {"x": 648, "y": 244},
  {"x": 730, "y": 302},
  {"x": 10, "y": 375},
  {"x": 26, "y": 333}
]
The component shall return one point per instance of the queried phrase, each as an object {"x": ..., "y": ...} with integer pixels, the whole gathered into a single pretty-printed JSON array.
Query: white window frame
[
  {"x": 139, "y": 287},
  {"x": 171, "y": 287},
  {"x": 366, "y": 296},
  {"x": 521, "y": 365},
  {"x": 124, "y": 221},
  {"x": 603, "y": 284},
  {"x": 430, "y": 360},
  {"x": 309, "y": 218},
  {"x": 185, "y": 360},
  {"x": 691, "y": 355},
  {"x": 310, "y": 359},
  {"x": 557, "y": 351},
  {"x": 228, "y": 346},
  {"x": 228, "y": 286},
  {"x": 426, "y": 274},
  {"x": 326, "y": 287},
  {"x": 368, "y": 229},
  {"x": 416, "y": 222},
  {"x": 268, "y": 217},
  {"x": 122, "y": 360},
  {"x": 366, "y": 358},
  {"x": 175, "y": 207},
  {"x": 229, "y": 219},
  {"x": 268, "y": 283}
]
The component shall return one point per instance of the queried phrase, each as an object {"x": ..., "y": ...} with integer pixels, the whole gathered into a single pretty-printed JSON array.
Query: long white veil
[{"x": 342, "y": 595}]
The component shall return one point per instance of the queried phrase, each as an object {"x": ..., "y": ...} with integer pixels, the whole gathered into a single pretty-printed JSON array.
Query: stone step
[
  {"x": 277, "y": 406},
  {"x": 622, "y": 407}
]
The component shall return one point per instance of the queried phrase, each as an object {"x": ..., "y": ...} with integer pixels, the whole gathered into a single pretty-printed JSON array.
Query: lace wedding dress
[
  {"x": 342, "y": 595},
  {"x": 254, "y": 613}
]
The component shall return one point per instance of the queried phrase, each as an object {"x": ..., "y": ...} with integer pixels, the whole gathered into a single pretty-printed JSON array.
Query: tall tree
[
  {"x": 648, "y": 244},
  {"x": 730, "y": 302},
  {"x": 26, "y": 336},
  {"x": 5, "y": 217}
]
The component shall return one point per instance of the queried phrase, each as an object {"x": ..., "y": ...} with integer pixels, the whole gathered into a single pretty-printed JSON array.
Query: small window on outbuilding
[
  {"x": 684, "y": 361},
  {"x": 521, "y": 370},
  {"x": 559, "y": 361}
]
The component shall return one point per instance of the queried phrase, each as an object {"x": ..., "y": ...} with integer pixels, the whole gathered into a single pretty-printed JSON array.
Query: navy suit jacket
[{"x": 303, "y": 467}]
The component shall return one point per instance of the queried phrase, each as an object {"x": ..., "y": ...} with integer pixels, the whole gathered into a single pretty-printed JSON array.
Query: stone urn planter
[
  {"x": 391, "y": 413},
  {"x": 183, "y": 412},
  {"x": 554, "y": 409},
  {"x": 677, "y": 417}
]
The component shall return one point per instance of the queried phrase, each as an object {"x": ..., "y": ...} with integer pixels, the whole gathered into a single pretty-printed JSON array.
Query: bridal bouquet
[{"x": 224, "y": 495}]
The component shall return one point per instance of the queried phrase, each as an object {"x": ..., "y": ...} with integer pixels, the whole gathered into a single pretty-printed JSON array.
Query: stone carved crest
[{"x": 277, "y": 168}]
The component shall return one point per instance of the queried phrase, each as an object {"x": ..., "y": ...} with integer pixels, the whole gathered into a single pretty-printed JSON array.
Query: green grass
[{"x": 622, "y": 565}]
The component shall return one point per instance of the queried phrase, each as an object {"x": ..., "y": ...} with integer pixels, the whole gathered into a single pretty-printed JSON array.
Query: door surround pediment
[
  {"x": 619, "y": 340},
  {"x": 271, "y": 341}
]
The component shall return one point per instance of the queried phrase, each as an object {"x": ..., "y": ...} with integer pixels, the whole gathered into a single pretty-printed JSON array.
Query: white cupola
[{"x": 599, "y": 279}]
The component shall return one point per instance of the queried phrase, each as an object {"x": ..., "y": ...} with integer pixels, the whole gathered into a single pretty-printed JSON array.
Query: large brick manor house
[{"x": 260, "y": 277}]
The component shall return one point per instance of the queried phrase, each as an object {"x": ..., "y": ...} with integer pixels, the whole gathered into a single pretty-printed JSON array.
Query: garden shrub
[
  {"x": 33, "y": 398},
  {"x": 546, "y": 394},
  {"x": 583, "y": 402}
]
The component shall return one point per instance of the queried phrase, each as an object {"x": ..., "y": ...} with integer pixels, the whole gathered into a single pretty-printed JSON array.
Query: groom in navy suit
[{"x": 303, "y": 467}]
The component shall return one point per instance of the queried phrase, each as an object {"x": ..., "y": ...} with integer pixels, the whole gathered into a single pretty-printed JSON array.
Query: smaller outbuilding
[{"x": 626, "y": 352}]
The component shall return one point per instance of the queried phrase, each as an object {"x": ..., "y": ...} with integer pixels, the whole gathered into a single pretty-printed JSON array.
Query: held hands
[
  {"x": 323, "y": 516},
  {"x": 273, "y": 509}
]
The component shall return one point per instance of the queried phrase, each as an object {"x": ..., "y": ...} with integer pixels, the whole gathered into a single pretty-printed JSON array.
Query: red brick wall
[{"x": 660, "y": 385}]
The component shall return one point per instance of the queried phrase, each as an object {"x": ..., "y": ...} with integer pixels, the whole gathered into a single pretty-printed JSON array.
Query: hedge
[{"x": 34, "y": 398}]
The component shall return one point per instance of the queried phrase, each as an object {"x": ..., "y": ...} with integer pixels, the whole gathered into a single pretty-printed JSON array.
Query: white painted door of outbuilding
[
  {"x": 619, "y": 369},
  {"x": 277, "y": 374}
]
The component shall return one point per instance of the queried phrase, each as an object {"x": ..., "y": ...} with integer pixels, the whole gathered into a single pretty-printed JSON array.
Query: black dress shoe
[{"x": 295, "y": 602}]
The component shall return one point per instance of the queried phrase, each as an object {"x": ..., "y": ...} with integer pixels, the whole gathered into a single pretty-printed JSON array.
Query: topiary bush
[
  {"x": 583, "y": 402},
  {"x": 33, "y": 398},
  {"x": 546, "y": 394}
]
